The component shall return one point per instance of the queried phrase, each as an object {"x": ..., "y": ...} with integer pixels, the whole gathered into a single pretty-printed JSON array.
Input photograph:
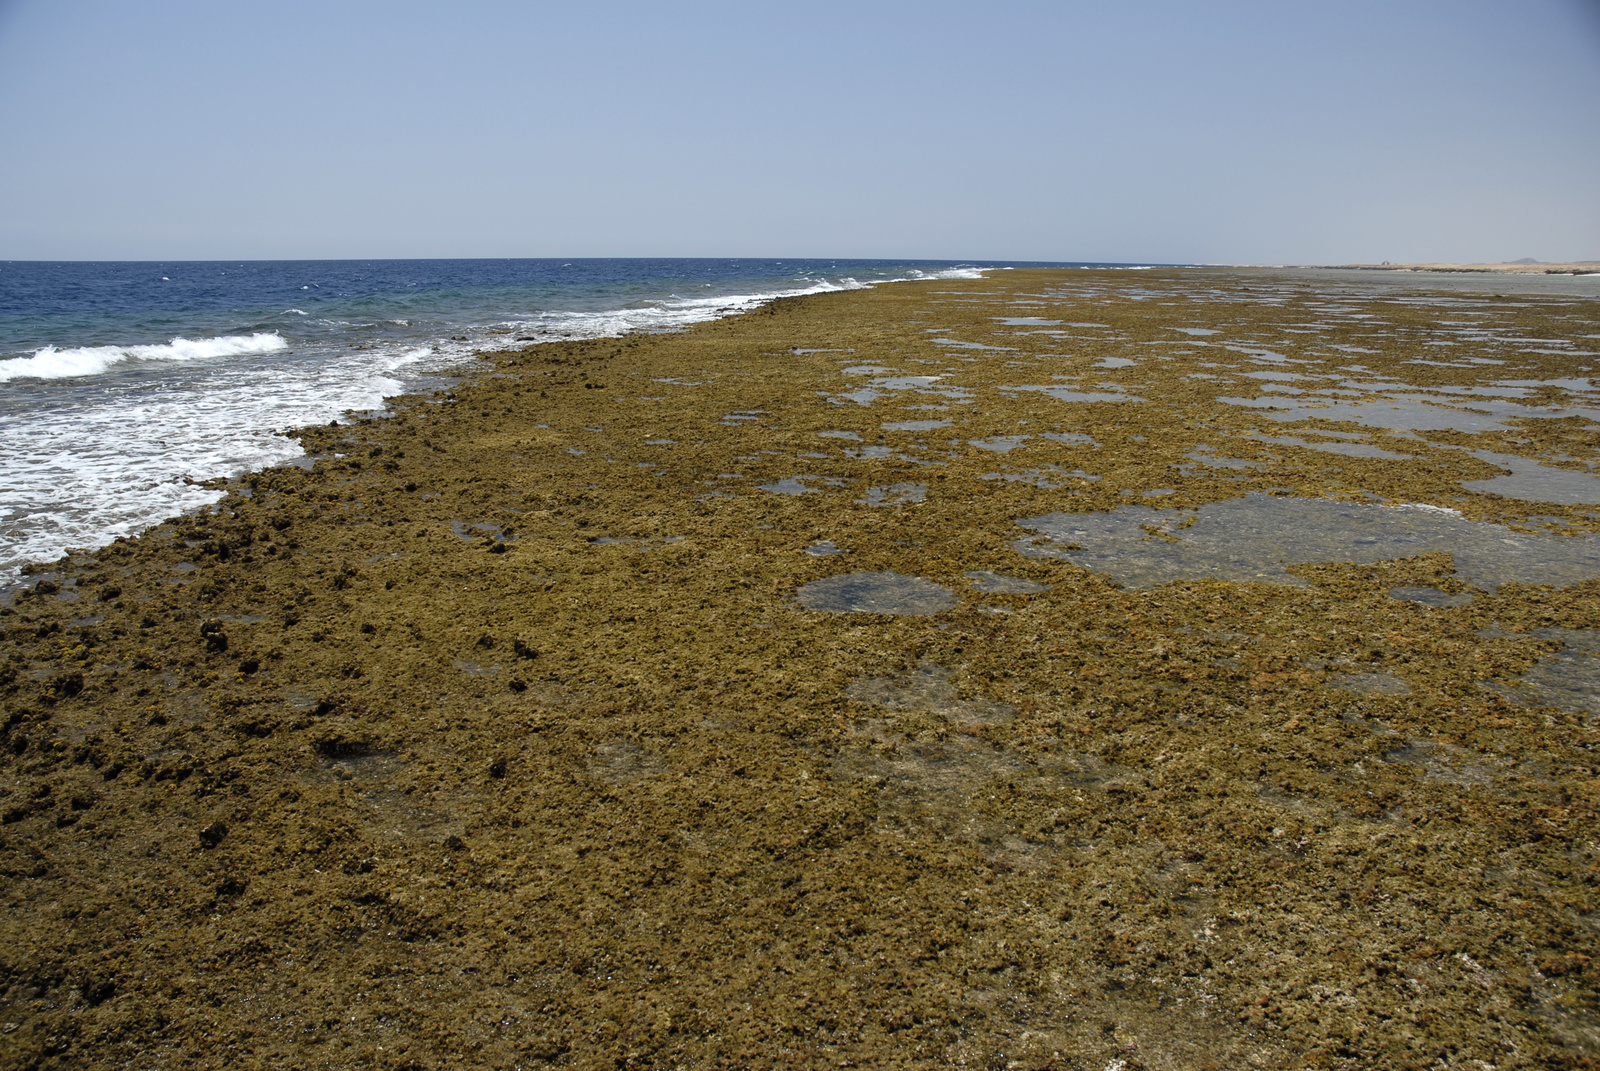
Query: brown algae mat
[{"x": 511, "y": 733}]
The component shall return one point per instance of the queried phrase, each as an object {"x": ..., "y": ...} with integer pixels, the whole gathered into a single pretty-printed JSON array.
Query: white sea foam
[
  {"x": 947, "y": 273},
  {"x": 666, "y": 315},
  {"x": 80, "y": 474},
  {"x": 51, "y": 363},
  {"x": 679, "y": 312}
]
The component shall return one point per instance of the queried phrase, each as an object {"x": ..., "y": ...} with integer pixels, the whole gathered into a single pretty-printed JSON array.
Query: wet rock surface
[{"x": 502, "y": 733}]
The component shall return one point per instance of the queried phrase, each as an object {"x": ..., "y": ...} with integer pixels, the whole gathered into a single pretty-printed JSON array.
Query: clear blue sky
[{"x": 1237, "y": 132}]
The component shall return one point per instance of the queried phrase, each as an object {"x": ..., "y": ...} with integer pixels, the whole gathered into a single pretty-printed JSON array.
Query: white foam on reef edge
[
  {"x": 947, "y": 273},
  {"x": 676, "y": 313},
  {"x": 81, "y": 473},
  {"x": 51, "y": 363}
]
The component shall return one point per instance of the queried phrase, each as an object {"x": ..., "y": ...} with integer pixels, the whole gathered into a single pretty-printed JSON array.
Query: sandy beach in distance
[{"x": 1089, "y": 669}]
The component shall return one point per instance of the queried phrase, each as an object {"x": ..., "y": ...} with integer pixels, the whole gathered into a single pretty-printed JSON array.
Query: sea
[{"x": 126, "y": 387}]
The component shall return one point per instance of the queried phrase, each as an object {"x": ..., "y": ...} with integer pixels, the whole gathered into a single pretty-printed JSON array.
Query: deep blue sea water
[{"x": 122, "y": 383}]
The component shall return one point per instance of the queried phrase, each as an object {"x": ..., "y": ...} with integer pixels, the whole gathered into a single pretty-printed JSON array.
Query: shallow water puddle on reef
[
  {"x": 1347, "y": 449},
  {"x": 1567, "y": 678},
  {"x": 876, "y": 593},
  {"x": 380, "y": 788},
  {"x": 1070, "y": 438},
  {"x": 1043, "y": 477},
  {"x": 1440, "y": 761},
  {"x": 1425, "y": 596},
  {"x": 895, "y": 494},
  {"x": 480, "y": 530},
  {"x": 931, "y": 786},
  {"x": 356, "y": 765},
  {"x": 872, "y": 453},
  {"x": 1068, "y": 393},
  {"x": 1400, "y": 407},
  {"x": 992, "y": 583},
  {"x": 795, "y": 485},
  {"x": 960, "y": 345},
  {"x": 916, "y": 425},
  {"x": 1530, "y": 481},
  {"x": 1205, "y": 456},
  {"x": 1256, "y": 537},
  {"x": 1000, "y": 444},
  {"x": 927, "y": 690},
  {"x": 884, "y": 385},
  {"x": 1369, "y": 683},
  {"x": 619, "y": 762}
]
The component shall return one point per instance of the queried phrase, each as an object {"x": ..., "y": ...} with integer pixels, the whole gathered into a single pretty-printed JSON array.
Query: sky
[{"x": 1139, "y": 131}]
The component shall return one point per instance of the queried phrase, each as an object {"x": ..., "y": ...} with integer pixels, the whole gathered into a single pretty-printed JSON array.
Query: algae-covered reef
[{"x": 871, "y": 680}]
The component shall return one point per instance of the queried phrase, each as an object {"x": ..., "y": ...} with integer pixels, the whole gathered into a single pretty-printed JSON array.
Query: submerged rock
[{"x": 876, "y": 593}]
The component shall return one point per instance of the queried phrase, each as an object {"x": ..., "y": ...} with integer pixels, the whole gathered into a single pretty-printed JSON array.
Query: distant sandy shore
[{"x": 1579, "y": 267}]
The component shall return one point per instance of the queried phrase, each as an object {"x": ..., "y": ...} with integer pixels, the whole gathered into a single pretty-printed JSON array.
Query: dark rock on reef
[{"x": 216, "y": 641}]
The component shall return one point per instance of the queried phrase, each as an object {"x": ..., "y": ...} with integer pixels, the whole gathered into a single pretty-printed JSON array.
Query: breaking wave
[{"x": 51, "y": 363}]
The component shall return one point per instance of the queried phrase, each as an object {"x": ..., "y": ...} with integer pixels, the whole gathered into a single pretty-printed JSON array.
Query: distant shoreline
[{"x": 1577, "y": 267}]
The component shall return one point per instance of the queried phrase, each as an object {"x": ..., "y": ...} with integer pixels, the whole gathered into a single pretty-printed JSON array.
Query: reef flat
[
  {"x": 1521, "y": 267},
  {"x": 1061, "y": 669}
]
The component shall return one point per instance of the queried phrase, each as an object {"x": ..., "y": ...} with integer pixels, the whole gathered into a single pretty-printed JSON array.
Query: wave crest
[{"x": 51, "y": 363}]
